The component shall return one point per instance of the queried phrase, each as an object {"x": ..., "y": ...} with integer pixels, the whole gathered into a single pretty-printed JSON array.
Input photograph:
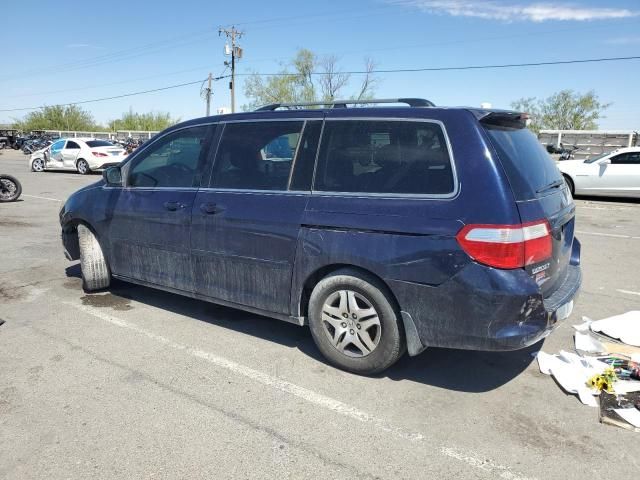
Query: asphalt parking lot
[{"x": 137, "y": 383}]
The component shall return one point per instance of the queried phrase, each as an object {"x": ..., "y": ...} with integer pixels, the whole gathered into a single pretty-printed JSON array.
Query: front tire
[
  {"x": 95, "y": 272},
  {"x": 37, "y": 165},
  {"x": 354, "y": 322},
  {"x": 83, "y": 167}
]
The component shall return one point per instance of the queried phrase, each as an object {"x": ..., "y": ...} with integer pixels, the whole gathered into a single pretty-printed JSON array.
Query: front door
[
  {"x": 53, "y": 157},
  {"x": 70, "y": 154},
  {"x": 151, "y": 217},
  {"x": 246, "y": 225},
  {"x": 622, "y": 176}
]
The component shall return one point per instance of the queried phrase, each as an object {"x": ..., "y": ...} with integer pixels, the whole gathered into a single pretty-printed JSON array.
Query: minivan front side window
[
  {"x": 256, "y": 155},
  {"x": 172, "y": 161},
  {"x": 384, "y": 157}
]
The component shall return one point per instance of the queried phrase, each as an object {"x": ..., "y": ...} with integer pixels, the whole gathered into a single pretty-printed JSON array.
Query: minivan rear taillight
[{"x": 507, "y": 246}]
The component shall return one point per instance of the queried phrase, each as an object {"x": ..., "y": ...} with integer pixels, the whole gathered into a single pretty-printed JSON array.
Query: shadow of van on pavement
[{"x": 459, "y": 370}]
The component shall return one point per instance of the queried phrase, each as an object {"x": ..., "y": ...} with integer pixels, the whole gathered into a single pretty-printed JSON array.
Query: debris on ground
[
  {"x": 606, "y": 365},
  {"x": 625, "y": 327}
]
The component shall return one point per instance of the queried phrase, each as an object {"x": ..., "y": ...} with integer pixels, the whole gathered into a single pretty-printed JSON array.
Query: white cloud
[
  {"x": 512, "y": 12},
  {"x": 632, "y": 40}
]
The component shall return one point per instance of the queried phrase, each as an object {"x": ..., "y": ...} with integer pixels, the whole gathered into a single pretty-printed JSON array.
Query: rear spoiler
[{"x": 502, "y": 118}]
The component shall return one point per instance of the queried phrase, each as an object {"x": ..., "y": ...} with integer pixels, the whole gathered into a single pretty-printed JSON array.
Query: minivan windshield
[{"x": 528, "y": 165}]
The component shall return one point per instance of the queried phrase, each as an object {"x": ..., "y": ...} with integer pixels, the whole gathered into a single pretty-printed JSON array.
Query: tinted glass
[
  {"x": 632, "y": 158},
  {"x": 527, "y": 164},
  {"x": 72, "y": 145},
  {"x": 256, "y": 155},
  {"x": 99, "y": 143},
  {"x": 173, "y": 161},
  {"x": 391, "y": 157},
  {"x": 305, "y": 161}
]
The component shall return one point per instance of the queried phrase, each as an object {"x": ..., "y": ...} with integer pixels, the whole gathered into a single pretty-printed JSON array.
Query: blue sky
[{"x": 70, "y": 51}]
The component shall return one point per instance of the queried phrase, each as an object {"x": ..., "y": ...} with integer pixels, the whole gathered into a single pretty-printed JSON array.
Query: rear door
[
  {"x": 151, "y": 218},
  {"x": 70, "y": 154},
  {"x": 246, "y": 224},
  {"x": 540, "y": 192}
]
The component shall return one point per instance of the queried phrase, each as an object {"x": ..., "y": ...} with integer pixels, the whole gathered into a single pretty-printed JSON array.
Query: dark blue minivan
[{"x": 383, "y": 228}]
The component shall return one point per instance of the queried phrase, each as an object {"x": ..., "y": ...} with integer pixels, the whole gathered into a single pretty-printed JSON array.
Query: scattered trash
[
  {"x": 572, "y": 372},
  {"x": 625, "y": 327},
  {"x": 620, "y": 411},
  {"x": 607, "y": 365},
  {"x": 587, "y": 343}
]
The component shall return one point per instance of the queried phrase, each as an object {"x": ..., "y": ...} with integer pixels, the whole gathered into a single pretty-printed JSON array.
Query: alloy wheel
[{"x": 38, "y": 165}]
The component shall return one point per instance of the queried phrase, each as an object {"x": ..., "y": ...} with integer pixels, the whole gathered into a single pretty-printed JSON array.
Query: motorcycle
[{"x": 10, "y": 188}]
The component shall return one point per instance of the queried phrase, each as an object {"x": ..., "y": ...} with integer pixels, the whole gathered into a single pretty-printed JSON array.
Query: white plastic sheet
[
  {"x": 572, "y": 372},
  {"x": 625, "y": 327}
]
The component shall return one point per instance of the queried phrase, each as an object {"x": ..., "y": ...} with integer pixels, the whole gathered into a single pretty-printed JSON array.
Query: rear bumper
[{"x": 483, "y": 308}]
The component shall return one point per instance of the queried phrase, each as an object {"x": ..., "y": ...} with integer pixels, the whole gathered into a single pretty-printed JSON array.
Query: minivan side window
[
  {"x": 256, "y": 155},
  {"x": 384, "y": 157},
  {"x": 172, "y": 161}
]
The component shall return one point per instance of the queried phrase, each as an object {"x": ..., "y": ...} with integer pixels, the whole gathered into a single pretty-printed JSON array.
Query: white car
[
  {"x": 614, "y": 174},
  {"x": 81, "y": 154}
]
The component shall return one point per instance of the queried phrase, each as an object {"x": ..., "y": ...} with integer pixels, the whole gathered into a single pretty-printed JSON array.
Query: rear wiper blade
[{"x": 554, "y": 184}]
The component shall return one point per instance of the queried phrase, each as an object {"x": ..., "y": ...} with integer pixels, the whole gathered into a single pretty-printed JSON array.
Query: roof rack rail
[{"x": 412, "y": 102}]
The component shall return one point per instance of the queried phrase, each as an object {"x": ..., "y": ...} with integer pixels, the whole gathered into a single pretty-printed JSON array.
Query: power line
[
  {"x": 352, "y": 72},
  {"x": 442, "y": 69},
  {"x": 109, "y": 98}
]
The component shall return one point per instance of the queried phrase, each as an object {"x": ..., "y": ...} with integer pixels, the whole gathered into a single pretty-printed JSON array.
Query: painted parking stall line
[
  {"x": 476, "y": 461},
  {"x": 628, "y": 292},
  {"x": 609, "y": 235},
  {"x": 42, "y": 198}
]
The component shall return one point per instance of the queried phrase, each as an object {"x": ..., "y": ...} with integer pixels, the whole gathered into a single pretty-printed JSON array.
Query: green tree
[
  {"x": 564, "y": 110},
  {"x": 57, "y": 117},
  {"x": 153, "y": 121},
  {"x": 306, "y": 78}
]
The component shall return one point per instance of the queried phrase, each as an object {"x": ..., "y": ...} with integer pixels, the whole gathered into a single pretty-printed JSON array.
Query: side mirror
[
  {"x": 112, "y": 176},
  {"x": 606, "y": 161}
]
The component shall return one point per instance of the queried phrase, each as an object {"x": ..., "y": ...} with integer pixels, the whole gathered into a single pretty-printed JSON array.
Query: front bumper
[{"x": 483, "y": 308}]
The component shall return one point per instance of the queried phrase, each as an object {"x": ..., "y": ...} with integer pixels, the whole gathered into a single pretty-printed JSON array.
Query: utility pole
[
  {"x": 209, "y": 95},
  {"x": 235, "y": 52}
]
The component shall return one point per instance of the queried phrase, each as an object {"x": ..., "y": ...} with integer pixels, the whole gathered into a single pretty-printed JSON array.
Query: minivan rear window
[
  {"x": 384, "y": 157},
  {"x": 528, "y": 165}
]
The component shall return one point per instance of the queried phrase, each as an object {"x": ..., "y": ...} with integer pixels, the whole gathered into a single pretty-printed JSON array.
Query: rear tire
[
  {"x": 354, "y": 322},
  {"x": 570, "y": 184},
  {"x": 95, "y": 272},
  {"x": 83, "y": 167}
]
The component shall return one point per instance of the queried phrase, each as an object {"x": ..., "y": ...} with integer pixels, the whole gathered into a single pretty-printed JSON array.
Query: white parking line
[
  {"x": 611, "y": 235},
  {"x": 474, "y": 460},
  {"x": 42, "y": 198},
  {"x": 628, "y": 292}
]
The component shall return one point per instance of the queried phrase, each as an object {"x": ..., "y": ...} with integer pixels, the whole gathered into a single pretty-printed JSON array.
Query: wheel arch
[
  {"x": 571, "y": 182},
  {"x": 317, "y": 275}
]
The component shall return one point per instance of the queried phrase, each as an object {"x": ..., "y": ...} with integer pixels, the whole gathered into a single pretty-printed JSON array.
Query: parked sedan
[
  {"x": 81, "y": 154},
  {"x": 614, "y": 174}
]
